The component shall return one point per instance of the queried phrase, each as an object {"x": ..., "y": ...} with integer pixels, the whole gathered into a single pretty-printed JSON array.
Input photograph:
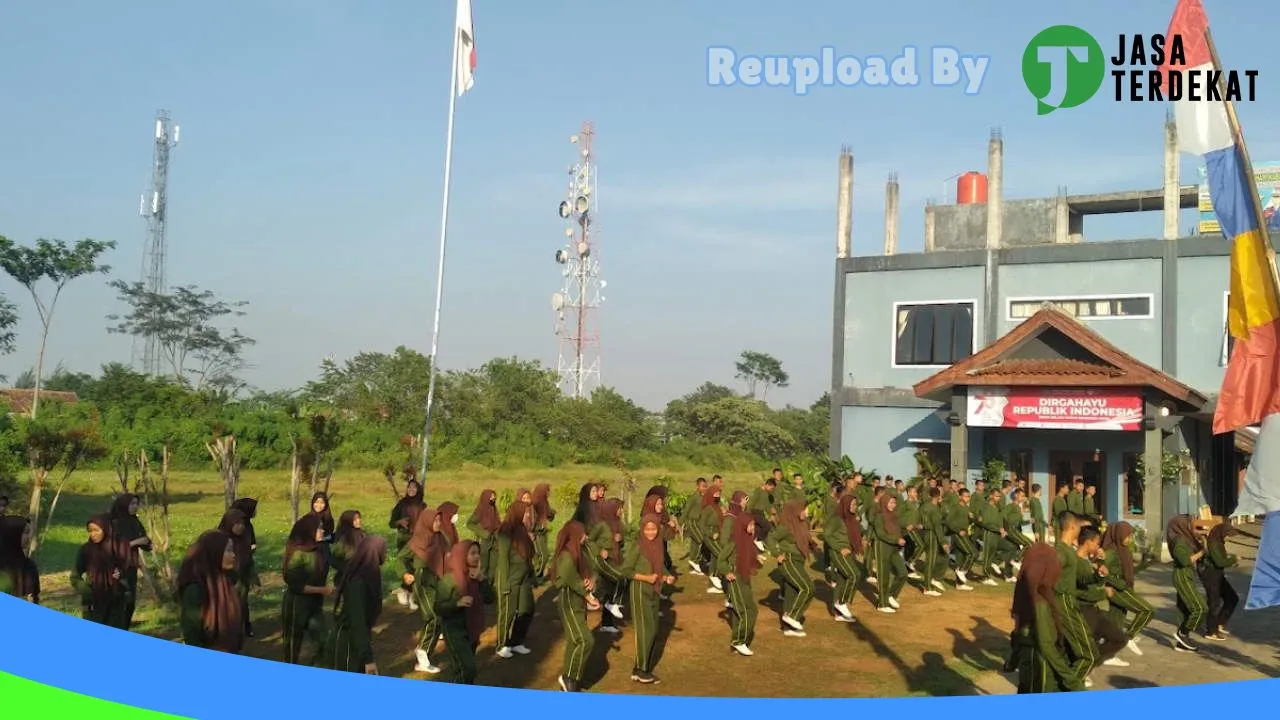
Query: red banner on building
[{"x": 1055, "y": 408}]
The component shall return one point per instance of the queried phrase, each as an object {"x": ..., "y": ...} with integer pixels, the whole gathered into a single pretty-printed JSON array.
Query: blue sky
[{"x": 309, "y": 175}]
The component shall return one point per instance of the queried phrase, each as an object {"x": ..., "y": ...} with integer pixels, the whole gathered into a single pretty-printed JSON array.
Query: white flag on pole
[{"x": 465, "y": 61}]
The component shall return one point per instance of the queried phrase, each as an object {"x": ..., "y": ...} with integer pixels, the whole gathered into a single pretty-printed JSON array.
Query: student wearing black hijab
[
  {"x": 209, "y": 605},
  {"x": 130, "y": 539},
  {"x": 306, "y": 572},
  {"x": 358, "y": 603},
  {"x": 96, "y": 576},
  {"x": 235, "y": 525},
  {"x": 18, "y": 573},
  {"x": 247, "y": 578}
]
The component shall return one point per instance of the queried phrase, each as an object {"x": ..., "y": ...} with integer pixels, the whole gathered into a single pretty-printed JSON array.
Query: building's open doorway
[{"x": 1068, "y": 466}]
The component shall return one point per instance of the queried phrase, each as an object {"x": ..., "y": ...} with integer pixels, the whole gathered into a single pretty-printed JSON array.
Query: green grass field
[{"x": 931, "y": 647}]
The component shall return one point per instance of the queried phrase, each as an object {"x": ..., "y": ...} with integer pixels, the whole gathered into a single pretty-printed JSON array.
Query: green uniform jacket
[
  {"x": 709, "y": 522},
  {"x": 1066, "y": 585},
  {"x": 515, "y": 576},
  {"x": 761, "y": 502},
  {"x": 1091, "y": 589},
  {"x": 1090, "y": 507},
  {"x": 908, "y": 515},
  {"x": 571, "y": 584},
  {"x": 1059, "y": 507},
  {"x": 635, "y": 563},
  {"x": 881, "y": 534},
  {"x": 1075, "y": 502},
  {"x": 1115, "y": 573},
  {"x": 725, "y": 561},
  {"x": 1012, "y": 518},
  {"x": 692, "y": 509},
  {"x": 956, "y": 519},
  {"x": 780, "y": 542},
  {"x": 835, "y": 536},
  {"x": 1037, "y": 513},
  {"x": 788, "y": 492},
  {"x": 991, "y": 520},
  {"x": 1218, "y": 557},
  {"x": 863, "y": 492}
]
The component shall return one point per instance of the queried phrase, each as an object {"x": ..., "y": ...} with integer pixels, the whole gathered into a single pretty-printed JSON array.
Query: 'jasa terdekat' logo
[{"x": 1064, "y": 67}]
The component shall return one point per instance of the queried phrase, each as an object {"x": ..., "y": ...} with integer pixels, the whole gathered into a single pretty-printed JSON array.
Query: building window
[
  {"x": 1228, "y": 342},
  {"x": 1089, "y": 307},
  {"x": 932, "y": 334},
  {"x": 1135, "y": 486},
  {"x": 1020, "y": 467}
]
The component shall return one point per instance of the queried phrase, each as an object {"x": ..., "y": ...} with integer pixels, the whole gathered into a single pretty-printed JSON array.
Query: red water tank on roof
[{"x": 971, "y": 189}]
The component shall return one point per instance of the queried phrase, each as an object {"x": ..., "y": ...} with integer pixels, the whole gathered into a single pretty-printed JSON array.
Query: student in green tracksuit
[
  {"x": 514, "y": 584},
  {"x": 346, "y": 537},
  {"x": 710, "y": 518},
  {"x": 956, "y": 520},
  {"x": 358, "y": 588},
  {"x": 95, "y": 577},
  {"x": 741, "y": 562},
  {"x": 460, "y": 598},
  {"x": 891, "y": 569},
  {"x": 543, "y": 515},
  {"x": 483, "y": 524},
  {"x": 842, "y": 537},
  {"x": 1039, "y": 628},
  {"x": 723, "y": 562},
  {"x": 1075, "y": 499},
  {"x": 306, "y": 572},
  {"x": 1017, "y": 542},
  {"x": 989, "y": 521},
  {"x": 1038, "y": 527},
  {"x": 931, "y": 563},
  {"x": 793, "y": 491},
  {"x": 129, "y": 540},
  {"x": 872, "y": 556},
  {"x": 791, "y": 545},
  {"x": 1223, "y": 599},
  {"x": 247, "y": 576},
  {"x": 571, "y": 576},
  {"x": 645, "y": 570},
  {"x": 1079, "y": 640},
  {"x": 1117, "y": 548},
  {"x": 692, "y": 531},
  {"x": 763, "y": 506},
  {"x": 422, "y": 562},
  {"x": 909, "y": 521},
  {"x": 1091, "y": 574},
  {"x": 1187, "y": 551},
  {"x": 209, "y": 605},
  {"x": 604, "y": 542},
  {"x": 1091, "y": 510},
  {"x": 1059, "y": 504},
  {"x": 19, "y": 575},
  {"x": 403, "y": 516}
]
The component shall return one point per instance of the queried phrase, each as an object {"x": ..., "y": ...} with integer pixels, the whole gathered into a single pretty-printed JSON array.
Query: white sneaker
[
  {"x": 760, "y": 547},
  {"x": 893, "y": 603},
  {"x": 742, "y": 650},
  {"x": 1017, "y": 565},
  {"x": 887, "y": 610},
  {"x": 1011, "y": 579},
  {"x": 989, "y": 581},
  {"x": 995, "y": 569},
  {"x": 424, "y": 663},
  {"x": 413, "y": 604},
  {"x": 728, "y": 605},
  {"x": 521, "y": 649},
  {"x": 611, "y": 629},
  {"x": 843, "y": 619},
  {"x": 932, "y": 593},
  {"x": 962, "y": 577},
  {"x": 505, "y": 652},
  {"x": 694, "y": 568},
  {"x": 1088, "y": 682},
  {"x": 614, "y": 610},
  {"x": 715, "y": 591},
  {"x": 914, "y": 575},
  {"x": 1115, "y": 662},
  {"x": 715, "y": 582},
  {"x": 966, "y": 588},
  {"x": 793, "y": 633},
  {"x": 794, "y": 623},
  {"x": 402, "y": 597},
  {"x": 872, "y": 579},
  {"x": 843, "y": 610},
  {"x": 937, "y": 585},
  {"x": 1133, "y": 647}
]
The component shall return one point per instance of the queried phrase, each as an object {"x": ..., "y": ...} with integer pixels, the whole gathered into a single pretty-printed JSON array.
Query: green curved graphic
[{"x": 32, "y": 699}]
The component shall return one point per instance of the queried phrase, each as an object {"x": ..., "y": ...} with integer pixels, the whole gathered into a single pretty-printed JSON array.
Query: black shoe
[
  {"x": 1182, "y": 643},
  {"x": 568, "y": 685},
  {"x": 644, "y": 678},
  {"x": 248, "y": 630}
]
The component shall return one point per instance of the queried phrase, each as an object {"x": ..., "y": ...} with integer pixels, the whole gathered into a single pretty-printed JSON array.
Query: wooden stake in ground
[{"x": 223, "y": 452}]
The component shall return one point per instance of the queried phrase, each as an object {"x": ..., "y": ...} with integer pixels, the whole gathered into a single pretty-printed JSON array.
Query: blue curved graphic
[{"x": 51, "y": 648}]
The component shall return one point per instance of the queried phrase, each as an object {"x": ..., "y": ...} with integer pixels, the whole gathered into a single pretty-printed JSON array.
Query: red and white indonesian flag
[
  {"x": 1202, "y": 122},
  {"x": 464, "y": 62}
]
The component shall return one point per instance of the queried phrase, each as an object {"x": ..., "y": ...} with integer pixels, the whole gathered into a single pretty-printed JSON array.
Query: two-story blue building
[{"x": 1012, "y": 346}]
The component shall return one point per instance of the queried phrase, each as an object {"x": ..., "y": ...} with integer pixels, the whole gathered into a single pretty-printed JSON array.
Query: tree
[
  {"x": 760, "y": 371},
  {"x": 184, "y": 323},
  {"x": 67, "y": 440},
  {"x": 54, "y": 261},
  {"x": 8, "y": 321}
]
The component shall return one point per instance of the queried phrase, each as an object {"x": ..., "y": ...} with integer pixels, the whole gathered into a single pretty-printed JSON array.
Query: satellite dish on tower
[
  {"x": 583, "y": 249},
  {"x": 581, "y": 205},
  {"x": 565, "y": 209},
  {"x": 562, "y": 257},
  {"x": 557, "y": 301}
]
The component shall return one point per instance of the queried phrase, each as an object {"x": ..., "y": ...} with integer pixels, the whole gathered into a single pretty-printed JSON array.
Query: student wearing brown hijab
[
  {"x": 423, "y": 563},
  {"x": 460, "y": 599},
  {"x": 741, "y": 560},
  {"x": 1187, "y": 551},
  {"x": 247, "y": 578},
  {"x": 1117, "y": 549},
  {"x": 306, "y": 572},
  {"x": 402, "y": 518},
  {"x": 1038, "y": 632},
  {"x": 543, "y": 515},
  {"x": 447, "y": 512},
  {"x": 210, "y": 609},
  {"x": 891, "y": 569},
  {"x": 644, "y": 566},
  {"x": 1223, "y": 599},
  {"x": 19, "y": 576},
  {"x": 236, "y": 526},
  {"x": 514, "y": 584},
  {"x": 96, "y": 576},
  {"x": 723, "y": 561},
  {"x": 842, "y": 536},
  {"x": 483, "y": 524},
  {"x": 130, "y": 539},
  {"x": 571, "y": 570},
  {"x": 790, "y": 543},
  {"x": 655, "y": 503},
  {"x": 604, "y": 542},
  {"x": 357, "y": 605}
]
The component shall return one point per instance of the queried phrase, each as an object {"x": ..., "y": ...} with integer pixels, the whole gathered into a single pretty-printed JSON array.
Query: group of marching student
[{"x": 1061, "y": 633}]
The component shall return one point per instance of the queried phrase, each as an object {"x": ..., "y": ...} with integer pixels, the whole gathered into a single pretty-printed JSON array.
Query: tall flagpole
[{"x": 444, "y": 233}]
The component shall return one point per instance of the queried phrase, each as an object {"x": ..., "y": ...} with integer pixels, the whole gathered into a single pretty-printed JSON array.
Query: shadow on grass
[
  {"x": 931, "y": 677},
  {"x": 986, "y": 650}
]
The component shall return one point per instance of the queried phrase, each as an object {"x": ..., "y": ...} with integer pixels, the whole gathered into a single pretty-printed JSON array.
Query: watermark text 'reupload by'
[{"x": 947, "y": 67}]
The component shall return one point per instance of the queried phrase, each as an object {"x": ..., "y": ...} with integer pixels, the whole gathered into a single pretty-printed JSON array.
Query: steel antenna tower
[
  {"x": 155, "y": 252},
  {"x": 580, "y": 294}
]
